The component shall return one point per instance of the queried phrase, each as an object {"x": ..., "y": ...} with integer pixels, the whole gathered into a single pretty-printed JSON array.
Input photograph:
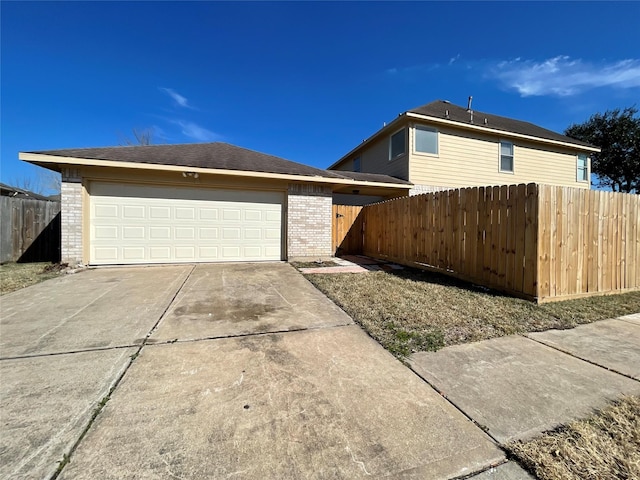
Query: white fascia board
[
  {"x": 39, "y": 158},
  {"x": 502, "y": 133}
]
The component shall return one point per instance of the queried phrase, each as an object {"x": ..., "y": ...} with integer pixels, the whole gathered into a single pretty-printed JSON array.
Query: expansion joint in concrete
[
  {"x": 103, "y": 402},
  {"x": 586, "y": 360}
]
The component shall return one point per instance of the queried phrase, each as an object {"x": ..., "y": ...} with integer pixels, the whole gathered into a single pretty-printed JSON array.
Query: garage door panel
[
  {"x": 185, "y": 213},
  {"x": 133, "y": 253},
  {"x": 107, "y": 232},
  {"x": 208, "y": 253},
  {"x": 208, "y": 214},
  {"x": 253, "y": 234},
  {"x": 272, "y": 216},
  {"x": 106, "y": 211},
  {"x": 159, "y": 233},
  {"x": 160, "y": 253},
  {"x": 137, "y": 224},
  {"x": 208, "y": 233},
  {"x": 106, "y": 254},
  {"x": 231, "y": 253},
  {"x": 231, "y": 214},
  {"x": 133, "y": 211},
  {"x": 158, "y": 213},
  {"x": 231, "y": 233},
  {"x": 130, "y": 233},
  {"x": 185, "y": 233}
]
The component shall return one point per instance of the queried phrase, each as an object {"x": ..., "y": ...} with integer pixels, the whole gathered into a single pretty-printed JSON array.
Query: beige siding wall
[
  {"x": 374, "y": 158},
  {"x": 469, "y": 159}
]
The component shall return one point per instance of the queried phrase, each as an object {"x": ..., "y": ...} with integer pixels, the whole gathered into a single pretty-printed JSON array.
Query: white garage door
[{"x": 156, "y": 224}]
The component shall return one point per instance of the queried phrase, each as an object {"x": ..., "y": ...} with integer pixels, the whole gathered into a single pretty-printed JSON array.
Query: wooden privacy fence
[
  {"x": 29, "y": 230},
  {"x": 535, "y": 241},
  {"x": 346, "y": 234}
]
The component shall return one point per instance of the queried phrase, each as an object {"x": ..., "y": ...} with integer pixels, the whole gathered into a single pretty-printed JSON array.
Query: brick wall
[
  {"x": 309, "y": 221},
  {"x": 71, "y": 216}
]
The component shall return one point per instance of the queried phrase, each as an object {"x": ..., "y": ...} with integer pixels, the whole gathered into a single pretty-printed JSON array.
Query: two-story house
[{"x": 441, "y": 145}]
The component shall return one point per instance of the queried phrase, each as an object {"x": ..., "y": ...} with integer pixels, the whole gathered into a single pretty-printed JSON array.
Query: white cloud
[
  {"x": 452, "y": 60},
  {"x": 179, "y": 99},
  {"x": 563, "y": 76},
  {"x": 195, "y": 131}
]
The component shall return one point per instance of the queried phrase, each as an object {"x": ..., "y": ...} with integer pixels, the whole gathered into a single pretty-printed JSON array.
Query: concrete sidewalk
[{"x": 518, "y": 387}]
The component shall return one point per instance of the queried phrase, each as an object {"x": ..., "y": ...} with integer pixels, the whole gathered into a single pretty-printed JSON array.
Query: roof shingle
[
  {"x": 218, "y": 156},
  {"x": 438, "y": 109}
]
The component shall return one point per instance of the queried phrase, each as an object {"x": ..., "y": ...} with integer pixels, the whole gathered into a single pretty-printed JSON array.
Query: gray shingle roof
[
  {"x": 218, "y": 155},
  {"x": 459, "y": 114}
]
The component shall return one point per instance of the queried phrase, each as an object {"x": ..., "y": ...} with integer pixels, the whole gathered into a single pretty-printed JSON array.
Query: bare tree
[
  {"x": 41, "y": 181},
  {"x": 141, "y": 136}
]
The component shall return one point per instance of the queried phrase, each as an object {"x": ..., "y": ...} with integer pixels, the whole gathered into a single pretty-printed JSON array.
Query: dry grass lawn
[
  {"x": 413, "y": 310},
  {"x": 14, "y": 276},
  {"x": 605, "y": 446}
]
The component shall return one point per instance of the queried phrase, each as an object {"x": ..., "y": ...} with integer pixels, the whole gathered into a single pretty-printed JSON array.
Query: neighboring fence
[
  {"x": 535, "y": 241},
  {"x": 30, "y": 230}
]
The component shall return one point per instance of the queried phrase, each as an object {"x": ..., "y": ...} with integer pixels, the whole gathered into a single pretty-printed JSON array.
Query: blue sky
[{"x": 303, "y": 81}]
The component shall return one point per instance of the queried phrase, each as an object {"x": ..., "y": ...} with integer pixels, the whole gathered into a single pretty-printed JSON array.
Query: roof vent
[
  {"x": 446, "y": 114},
  {"x": 446, "y": 101},
  {"x": 469, "y": 108},
  {"x": 486, "y": 121}
]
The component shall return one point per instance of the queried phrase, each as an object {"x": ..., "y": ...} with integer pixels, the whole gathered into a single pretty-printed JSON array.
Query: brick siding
[
  {"x": 71, "y": 216},
  {"x": 309, "y": 221}
]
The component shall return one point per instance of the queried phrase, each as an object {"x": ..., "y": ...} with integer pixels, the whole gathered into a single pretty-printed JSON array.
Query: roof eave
[
  {"x": 502, "y": 133},
  {"x": 50, "y": 160},
  {"x": 375, "y": 136}
]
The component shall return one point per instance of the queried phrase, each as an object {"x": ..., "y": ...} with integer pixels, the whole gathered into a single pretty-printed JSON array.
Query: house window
[
  {"x": 506, "y": 157},
  {"x": 426, "y": 140},
  {"x": 397, "y": 144},
  {"x": 356, "y": 164},
  {"x": 583, "y": 168}
]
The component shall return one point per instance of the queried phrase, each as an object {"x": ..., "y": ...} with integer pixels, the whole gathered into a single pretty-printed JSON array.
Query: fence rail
[
  {"x": 30, "y": 230},
  {"x": 536, "y": 241}
]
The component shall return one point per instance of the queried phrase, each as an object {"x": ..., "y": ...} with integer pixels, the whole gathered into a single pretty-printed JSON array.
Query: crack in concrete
[
  {"x": 250, "y": 334},
  {"x": 70, "y": 352}
]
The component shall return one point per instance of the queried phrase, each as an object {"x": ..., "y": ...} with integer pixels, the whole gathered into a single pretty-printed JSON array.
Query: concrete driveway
[{"x": 213, "y": 371}]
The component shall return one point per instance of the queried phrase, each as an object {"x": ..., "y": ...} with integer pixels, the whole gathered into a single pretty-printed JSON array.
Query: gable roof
[
  {"x": 457, "y": 114},
  {"x": 437, "y": 112},
  {"x": 213, "y": 156}
]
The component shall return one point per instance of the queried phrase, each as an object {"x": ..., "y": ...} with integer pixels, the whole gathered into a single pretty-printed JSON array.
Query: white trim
[
  {"x": 513, "y": 157},
  {"x": 463, "y": 126},
  {"x": 501, "y": 133},
  {"x": 404, "y": 130},
  {"x": 417, "y": 127},
  {"x": 588, "y": 161},
  {"x": 57, "y": 160}
]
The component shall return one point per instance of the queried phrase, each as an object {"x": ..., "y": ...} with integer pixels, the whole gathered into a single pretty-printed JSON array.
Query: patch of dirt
[
  {"x": 14, "y": 276},
  {"x": 317, "y": 264}
]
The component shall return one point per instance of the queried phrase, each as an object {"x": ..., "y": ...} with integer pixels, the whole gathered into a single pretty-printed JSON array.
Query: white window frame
[
  {"x": 404, "y": 152},
  {"x": 585, "y": 169},
  {"x": 513, "y": 157},
  {"x": 357, "y": 161},
  {"x": 415, "y": 140}
]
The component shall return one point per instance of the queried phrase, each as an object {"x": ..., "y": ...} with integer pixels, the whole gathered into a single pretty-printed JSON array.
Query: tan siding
[
  {"x": 374, "y": 158},
  {"x": 467, "y": 159}
]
